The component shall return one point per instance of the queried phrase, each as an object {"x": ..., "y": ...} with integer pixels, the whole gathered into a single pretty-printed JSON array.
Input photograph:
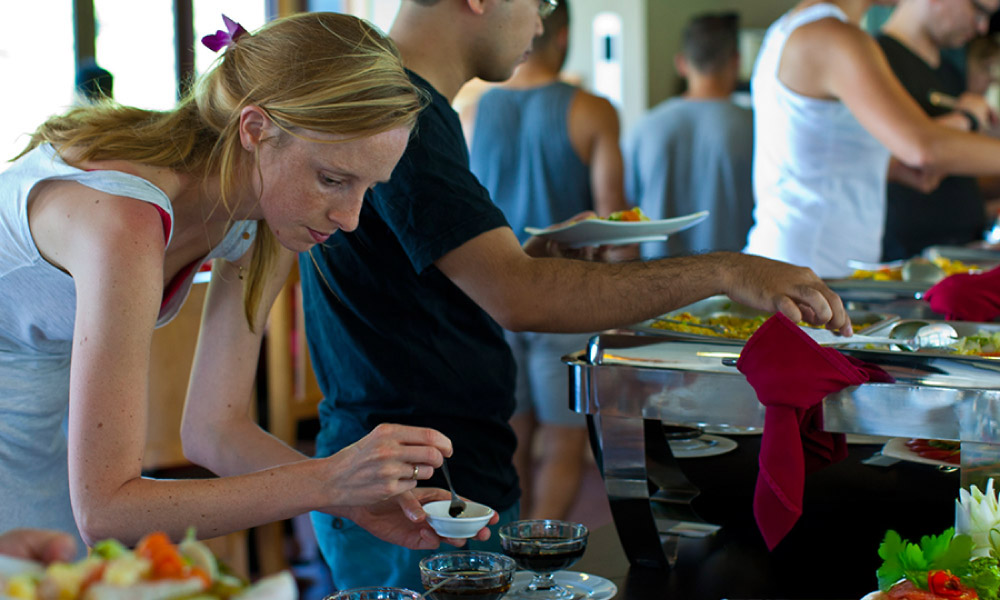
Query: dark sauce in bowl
[
  {"x": 544, "y": 561},
  {"x": 477, "y": 585}
]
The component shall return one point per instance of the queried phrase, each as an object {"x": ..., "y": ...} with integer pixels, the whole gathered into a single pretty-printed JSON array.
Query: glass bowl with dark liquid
[
  {"x": 375, "y": 593},
  {"x": 543, "y": 546},
  {"x": 467, "y": 575}
]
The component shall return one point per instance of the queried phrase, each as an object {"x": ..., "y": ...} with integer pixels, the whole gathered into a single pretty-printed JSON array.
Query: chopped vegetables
[
  {"x": 943, "y": 450},
  {"x": 157, "y": 569},
  {"x": 632, "y": 214},
  {"x": 983, "y": 343}
]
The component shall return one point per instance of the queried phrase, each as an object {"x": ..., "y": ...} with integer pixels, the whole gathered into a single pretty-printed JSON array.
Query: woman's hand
[
  {"x": 385, "y": 463},
  {"x": 43, "y": 545},
  {"x": 402, "y": 520}
]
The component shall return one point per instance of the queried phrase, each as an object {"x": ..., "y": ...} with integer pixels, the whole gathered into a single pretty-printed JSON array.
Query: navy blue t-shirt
[{"x": 395, "y": 341}]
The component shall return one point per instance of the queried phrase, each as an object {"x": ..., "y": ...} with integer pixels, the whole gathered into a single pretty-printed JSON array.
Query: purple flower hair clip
[{"x": 222, "y": 39}]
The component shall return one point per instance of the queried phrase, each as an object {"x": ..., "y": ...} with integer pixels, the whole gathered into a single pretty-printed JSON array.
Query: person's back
[
  {"x": 912, "y": 41},
  {"x": 521, "y": 153},
  {"x": 694, "y": 152},
  {"x": 686, "y": 156}
]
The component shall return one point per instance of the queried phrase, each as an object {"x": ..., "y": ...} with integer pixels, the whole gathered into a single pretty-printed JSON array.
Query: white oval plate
[
  {"x": 896, "y": 448},
  {"x": 10, "y": 565},
  {"x": 705, "y": 445},
  {"x": 598, "y": 232},
  {"x": 583, "y": 585}
]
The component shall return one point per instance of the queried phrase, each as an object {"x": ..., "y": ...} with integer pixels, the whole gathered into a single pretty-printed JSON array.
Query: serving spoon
[{"x": 912, "y": 336}]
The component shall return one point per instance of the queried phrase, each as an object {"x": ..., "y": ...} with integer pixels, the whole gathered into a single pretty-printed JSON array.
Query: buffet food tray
[{"x": 862, "y": 319}]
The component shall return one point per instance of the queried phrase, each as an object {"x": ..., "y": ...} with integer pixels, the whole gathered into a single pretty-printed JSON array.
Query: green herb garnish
[{"x": 905, "y": 560}]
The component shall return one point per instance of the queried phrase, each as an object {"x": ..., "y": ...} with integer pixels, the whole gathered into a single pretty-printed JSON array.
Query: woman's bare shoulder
[{"x": 69, "y": 220}]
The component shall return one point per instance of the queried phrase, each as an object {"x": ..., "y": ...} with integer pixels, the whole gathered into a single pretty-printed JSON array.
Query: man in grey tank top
[
  {"x": 546, "y": 151},
  {"x": 694, "y": 152}
]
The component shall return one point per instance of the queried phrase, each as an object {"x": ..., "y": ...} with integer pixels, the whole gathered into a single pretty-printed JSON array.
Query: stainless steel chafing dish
[
  {"x": 904, "y": 298},
  {"x": 630, "y": 385}
]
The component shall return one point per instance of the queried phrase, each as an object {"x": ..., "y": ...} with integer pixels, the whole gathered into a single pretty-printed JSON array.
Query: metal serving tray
[
  {"x": 862, "y": 319},
  {"x": 980, "y": 257},
  {"x": 877, "y": 291},
  {"x": 869, "y": 290}
]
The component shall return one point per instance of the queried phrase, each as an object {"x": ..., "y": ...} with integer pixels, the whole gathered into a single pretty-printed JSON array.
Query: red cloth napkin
[
  {"x": 792, "y": 374},
  {"x": 967, "y": 296}
]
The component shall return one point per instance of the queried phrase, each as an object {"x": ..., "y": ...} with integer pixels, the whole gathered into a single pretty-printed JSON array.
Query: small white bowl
[{"x": 466, "y": 525}]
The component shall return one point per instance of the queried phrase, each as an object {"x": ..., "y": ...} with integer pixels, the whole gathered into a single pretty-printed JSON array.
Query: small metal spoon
[{"x": 457, "y": 506}]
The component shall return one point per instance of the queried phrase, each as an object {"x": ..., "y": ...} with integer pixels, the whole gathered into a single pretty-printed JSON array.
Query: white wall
[{"x": 579, "y": 63}]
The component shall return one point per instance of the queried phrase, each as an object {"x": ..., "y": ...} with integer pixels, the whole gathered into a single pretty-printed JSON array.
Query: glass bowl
[
  {"x": 467, "y": 574},
  {"x": 375, "y": 593},
  {"x": 543, "y": 546}
]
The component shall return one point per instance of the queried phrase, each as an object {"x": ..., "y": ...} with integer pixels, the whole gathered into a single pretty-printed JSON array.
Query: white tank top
[
  {"x": 819, "y": 177},
  {"x": 37, "y": 312}
]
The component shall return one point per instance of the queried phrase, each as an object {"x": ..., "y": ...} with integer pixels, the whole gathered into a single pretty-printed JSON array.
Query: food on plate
[
  {"x": 959, "y": 564},
  {"x": 632, "y": 214},
  {"x": 156, "y": 569},
  {"x": 939, "y": 567},
  {"x": 943, "y": 450},
  {"x": 950, "y": 267}
]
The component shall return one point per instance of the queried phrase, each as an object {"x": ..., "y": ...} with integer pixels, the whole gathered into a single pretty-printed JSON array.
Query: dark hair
[
  {"x": 710, "y": 40},
  {"x": 552, "y": 24}
]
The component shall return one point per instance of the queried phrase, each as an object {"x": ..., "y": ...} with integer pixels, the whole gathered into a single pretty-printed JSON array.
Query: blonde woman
[{"x": 105, "y": 218}]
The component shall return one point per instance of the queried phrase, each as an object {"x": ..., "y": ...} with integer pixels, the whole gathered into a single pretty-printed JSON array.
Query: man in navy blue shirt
[{"x": 404, "y": 314}]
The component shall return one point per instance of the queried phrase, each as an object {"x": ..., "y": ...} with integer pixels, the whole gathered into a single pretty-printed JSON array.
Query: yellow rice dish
[
  {"x": 950, "y": 267},
  {"x": 738, "y": 328}
]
